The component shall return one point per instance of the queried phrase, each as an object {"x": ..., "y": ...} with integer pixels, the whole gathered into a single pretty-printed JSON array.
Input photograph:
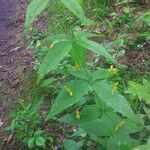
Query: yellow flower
[
  {"x": 76, "y": 67},
  {"x": 135, "y": 149},
  {"x": 78, "y": 114},
  {"x": 112, "y": 70},
  {"x": 52, "y": 45},
  {"x": 114, "y": 88},
  {"x": 119, "y": 125},
  {"x": 68, "y": 90}
]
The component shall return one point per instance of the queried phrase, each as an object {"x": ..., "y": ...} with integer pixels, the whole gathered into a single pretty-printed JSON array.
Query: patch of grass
[
  {"x": 97, "y": 9},
  {"x": 89, "y": 98},
  {"x": 60, "y": 20}
]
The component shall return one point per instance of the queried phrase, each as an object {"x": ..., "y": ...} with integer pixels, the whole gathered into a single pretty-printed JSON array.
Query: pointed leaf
[
  {"x": 46, "y": 83},
  {"x": 88, "y": 113},
  {"x": 35, "y": 104},
  {"x": 63, "y": 101},
  {"x": 96, "y": 48},
  {"x": 33, "y": 10},
  {"x": 82, "y": 73},
  {"x": 78, "y": 55},
  {"x": 94, "y": 127},
  {"x": 100, "y": 73},
  {"x": 83, "y": 35},
  {"x": 57, "y": 37},
  {"x": 142, "y": 91},
  {"x": 101, "y": 126},
  {"x": 146, "y": 18},
  {"x": 54, "y": 56},
  {"x": 77, "y": 10},
  {"x": 115, "y": 101}
]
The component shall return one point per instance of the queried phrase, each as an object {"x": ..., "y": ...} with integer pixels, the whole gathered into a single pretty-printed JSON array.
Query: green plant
[
  {"x": 72, "y": 145},
  {"x": 60, "y": 20},
  {"x": 98, "y": 8},
  {"x": 146, "y": 18},
  {"x": 26, "y": 125},
  {"x": 99, "y": 119},
  {"x": 91, "y": 99},
  {"x": 37, "y": 6},
  {"x": 125, "y": 18},
  {"x": 142, "y": 91},
  {"x": 144, "y": 147}
]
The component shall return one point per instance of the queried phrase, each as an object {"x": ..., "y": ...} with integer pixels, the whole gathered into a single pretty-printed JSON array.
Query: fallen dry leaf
[
  {"x": 7, "y": 139},
  {"x": 1, "y": 122}
]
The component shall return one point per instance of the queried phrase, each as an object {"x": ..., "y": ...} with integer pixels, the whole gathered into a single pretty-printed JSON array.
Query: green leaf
[
  {"x": 82, "y": 73},
  {"x": 127, "y": 10},
  {"x": 111, "y": 144},
  {"x": 88, "y": 113},
  {"x": 78, "y": 55},
  {"x": 142, "y": 147},
  {"x": 76, "y": 9},
  {"x": 38, "y": 133},
  {"x": 40, "y": 141},
  {"x": 127, "y": 143},
  {"x": 146, "y": 18},
  {"x": 94, "y": 127},
  {"x": 142, "y": 91},
  {"x": 83, "y": 35},
  {"x": 114, "y": 144},
  {"x": 115, "y": 101},
  {"x": 54, "y": 56},
  {"x": 31, "y": 143},
  {"x": 69, "y": 118},
  {"x": 100, "y": 73},
  {"x": 145, "y": 35},
  {"x": 35, "y": 104},
  {"x": 33, "y": 10},
  {"x": 79, "y": 133},
  {"x": 106, "y": 126},
  {"x": 118, "y": 43},
  {"x": 101, "y": 126},
  {"x": 121, "y": 53},
  {"x": 47, "y": 82},
  {"x": 64, "y": 100},
  {"x": 50, "y": 139},
  {"x": 130, "y": 126},
  {"x": 57, "y": 38},
  {"x": 72, "y": 145},
  {"x": 96, "y": 48}
]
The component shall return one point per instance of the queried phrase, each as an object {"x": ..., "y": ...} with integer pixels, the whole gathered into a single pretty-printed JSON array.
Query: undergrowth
[{"x": 103, "y": 104}]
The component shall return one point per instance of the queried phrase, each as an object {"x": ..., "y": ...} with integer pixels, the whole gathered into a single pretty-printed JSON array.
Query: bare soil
[{"x": 15, "y": 60}]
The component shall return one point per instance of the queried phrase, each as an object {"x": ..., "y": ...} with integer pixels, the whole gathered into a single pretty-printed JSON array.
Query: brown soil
[{"x": 15, "y": 60}]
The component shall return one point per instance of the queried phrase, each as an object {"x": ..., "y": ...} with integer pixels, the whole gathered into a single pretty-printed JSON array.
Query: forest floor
[{"x": 15, "y": 60}]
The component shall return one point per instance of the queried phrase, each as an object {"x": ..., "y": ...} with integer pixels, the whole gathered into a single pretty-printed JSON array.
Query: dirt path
[
  {"x": 14, "y": 58},
  {"x": 8, "y": 14},
  {"x": 15, "y": 64}
]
